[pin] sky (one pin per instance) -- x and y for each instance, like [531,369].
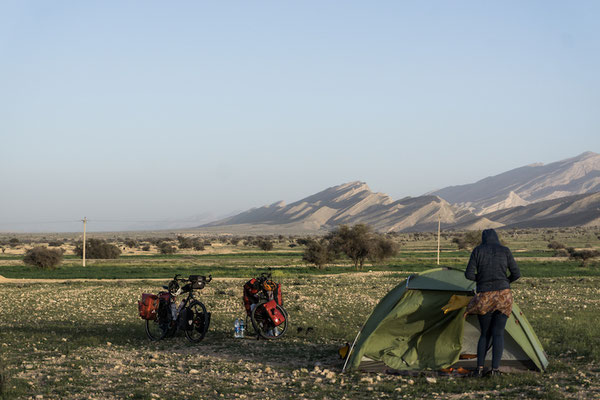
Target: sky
[140,111]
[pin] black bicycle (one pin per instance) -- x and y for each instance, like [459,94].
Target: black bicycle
[269,318]
[190,316]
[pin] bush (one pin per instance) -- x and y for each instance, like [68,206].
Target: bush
[97,249]
[55,243]
[264,244]
[43,257]
[185,242]
[166,248]
[554,245]
[582,255]
[146,248]
[130,243]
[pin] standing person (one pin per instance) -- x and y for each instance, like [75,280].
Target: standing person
[489,266]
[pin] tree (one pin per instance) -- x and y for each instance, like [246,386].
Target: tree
[43,257]
[264,244]
[166,248]
[582,255]
[359,242]
[318,253]
[97,249]
[382,248]
[130,243]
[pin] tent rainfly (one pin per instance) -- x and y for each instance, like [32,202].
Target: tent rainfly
[408,330]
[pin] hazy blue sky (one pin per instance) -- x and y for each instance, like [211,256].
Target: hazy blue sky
[127,111]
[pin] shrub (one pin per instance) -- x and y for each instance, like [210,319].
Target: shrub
[55,243]
[97,249]
[166,248]
[146,248]
[554,245]
[264,244]
[185,242]
[130,243]
[43,257]
[582,255]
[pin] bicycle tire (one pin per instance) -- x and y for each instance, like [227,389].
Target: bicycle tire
[262,324]
[200,322]
[154,331]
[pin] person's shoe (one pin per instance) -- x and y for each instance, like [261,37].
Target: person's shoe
[494,372]
[477,373]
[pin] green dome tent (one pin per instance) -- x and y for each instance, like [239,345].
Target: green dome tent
[408,330]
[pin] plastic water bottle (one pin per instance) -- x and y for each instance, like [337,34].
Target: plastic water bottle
[241,328]
[236,328]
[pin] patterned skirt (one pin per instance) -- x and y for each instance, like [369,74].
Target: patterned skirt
[495,300]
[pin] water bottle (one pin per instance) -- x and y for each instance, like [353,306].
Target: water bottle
[241,328]
[236,328]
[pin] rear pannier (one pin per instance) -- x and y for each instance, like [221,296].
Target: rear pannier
[148,306]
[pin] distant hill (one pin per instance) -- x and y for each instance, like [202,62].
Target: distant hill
[563,193]
[349,203]
[526,185]
[579,210]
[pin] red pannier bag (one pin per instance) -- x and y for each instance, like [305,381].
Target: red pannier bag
[148,306]
[250,296]
[276,316]
[277,295]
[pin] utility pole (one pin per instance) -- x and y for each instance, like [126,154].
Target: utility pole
[439,230]
[84,222]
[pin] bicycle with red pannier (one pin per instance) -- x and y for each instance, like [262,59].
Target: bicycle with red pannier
[164,317]
[264,307]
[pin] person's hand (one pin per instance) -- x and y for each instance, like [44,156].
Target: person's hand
[465,315]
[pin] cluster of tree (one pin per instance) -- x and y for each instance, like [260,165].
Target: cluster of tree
[97,248]
[358,242]
[192,243]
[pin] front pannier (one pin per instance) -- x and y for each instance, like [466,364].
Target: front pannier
[186,319]
[274,314]
[148,306]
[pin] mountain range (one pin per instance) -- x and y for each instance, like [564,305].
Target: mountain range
[563,193]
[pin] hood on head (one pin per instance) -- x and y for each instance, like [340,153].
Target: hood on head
[489,236]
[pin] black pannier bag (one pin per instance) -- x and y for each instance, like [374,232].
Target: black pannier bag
[186,320]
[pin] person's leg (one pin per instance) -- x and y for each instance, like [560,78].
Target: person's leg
[484,338]
[497,329]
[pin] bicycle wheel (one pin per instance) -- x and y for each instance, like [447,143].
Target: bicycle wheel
[155,330]
[263,325]
[201,321]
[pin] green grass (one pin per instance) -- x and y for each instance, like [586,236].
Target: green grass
[243,264]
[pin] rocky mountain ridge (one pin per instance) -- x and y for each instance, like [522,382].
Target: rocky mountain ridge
[558,194]
[526,185]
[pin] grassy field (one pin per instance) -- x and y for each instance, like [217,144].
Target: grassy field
[84,339]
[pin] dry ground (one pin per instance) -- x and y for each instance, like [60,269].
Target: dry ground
[81,340]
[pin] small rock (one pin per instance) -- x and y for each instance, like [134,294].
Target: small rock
[411,382]
[431,379]
[194,371]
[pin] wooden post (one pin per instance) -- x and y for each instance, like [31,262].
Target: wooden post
[439,230]
[84,222]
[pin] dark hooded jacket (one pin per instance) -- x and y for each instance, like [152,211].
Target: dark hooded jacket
[490,263]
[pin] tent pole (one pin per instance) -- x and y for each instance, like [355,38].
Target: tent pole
[351,348]
[439,230]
